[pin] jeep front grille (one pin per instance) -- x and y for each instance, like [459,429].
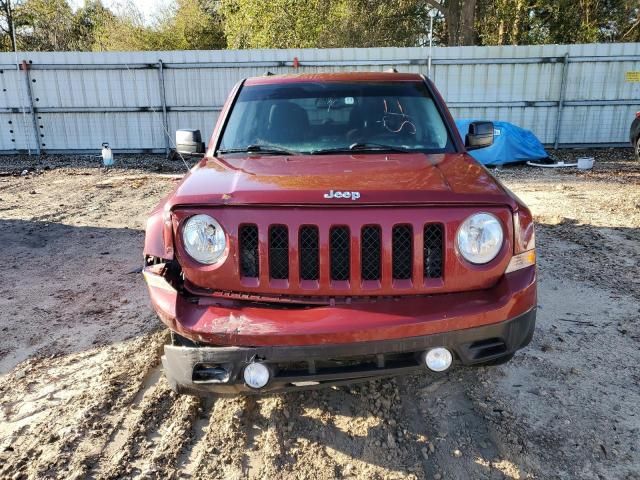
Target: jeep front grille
[309,248]
[249,261]
[370,252]
[403,251]
[433,250]
[279,252]
[340,253]
[402,241]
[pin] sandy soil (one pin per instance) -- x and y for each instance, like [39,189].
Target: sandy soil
[82,394]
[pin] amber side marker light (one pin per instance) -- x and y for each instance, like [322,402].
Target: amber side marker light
[521,260]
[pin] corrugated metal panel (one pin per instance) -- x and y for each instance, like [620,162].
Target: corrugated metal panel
[511,83]
[83,131]
[16,128]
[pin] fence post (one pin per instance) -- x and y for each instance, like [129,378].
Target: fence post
[27,78]
[563,89]
[163,99]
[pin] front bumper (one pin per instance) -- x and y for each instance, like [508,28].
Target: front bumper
[224,322]
[312,366]
[323,340]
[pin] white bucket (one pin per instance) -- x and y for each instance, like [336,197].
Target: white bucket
[107,155]
[585,163]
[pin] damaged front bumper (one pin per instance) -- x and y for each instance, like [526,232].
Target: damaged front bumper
[193,369]
[311,346]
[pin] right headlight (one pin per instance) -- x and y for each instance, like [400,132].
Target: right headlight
[204,239]
[480,238]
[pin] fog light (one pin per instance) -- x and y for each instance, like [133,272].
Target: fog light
[256,375]
[438,359]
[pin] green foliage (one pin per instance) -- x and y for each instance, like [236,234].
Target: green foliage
[522,22]
[51,25]
[191,25]
[322,23]
[88,22]
[185,25]
[43,25]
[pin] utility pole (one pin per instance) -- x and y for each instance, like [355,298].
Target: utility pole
[432,13]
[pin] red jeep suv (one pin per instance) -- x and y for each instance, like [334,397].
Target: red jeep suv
[337,230]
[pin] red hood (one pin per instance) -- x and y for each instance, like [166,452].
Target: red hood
[379,179]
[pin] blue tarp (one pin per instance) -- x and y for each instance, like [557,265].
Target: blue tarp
[511,144]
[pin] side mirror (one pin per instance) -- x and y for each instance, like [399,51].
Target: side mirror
[189,142]
[480,135]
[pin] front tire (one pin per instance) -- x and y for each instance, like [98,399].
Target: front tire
[637,148]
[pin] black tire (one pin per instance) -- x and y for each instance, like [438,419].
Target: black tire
[637,148]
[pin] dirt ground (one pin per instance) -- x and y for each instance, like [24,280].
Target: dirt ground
[82,394]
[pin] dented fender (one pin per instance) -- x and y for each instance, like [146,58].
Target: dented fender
[158,239]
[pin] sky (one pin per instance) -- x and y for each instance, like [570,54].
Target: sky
[146,7]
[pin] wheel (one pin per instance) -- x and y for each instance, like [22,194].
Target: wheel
[637,148]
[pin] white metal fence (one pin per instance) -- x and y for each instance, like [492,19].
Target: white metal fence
[569,95]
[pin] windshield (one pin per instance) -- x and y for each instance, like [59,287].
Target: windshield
[315,118]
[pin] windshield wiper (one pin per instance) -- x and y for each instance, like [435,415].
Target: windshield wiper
[362,147]
[265,149]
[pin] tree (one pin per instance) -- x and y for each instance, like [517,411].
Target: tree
[323,23]
[45,25]
[459,18]
[87,22]
[7,21]
[215,24]
[192,25]
[503,22]
[522,22]
[184,25]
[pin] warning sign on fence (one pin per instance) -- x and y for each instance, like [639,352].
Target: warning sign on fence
[632,76]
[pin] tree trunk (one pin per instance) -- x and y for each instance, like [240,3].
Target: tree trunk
[460,18]
[452,18]
[467,23]
[8,15]
[515,31]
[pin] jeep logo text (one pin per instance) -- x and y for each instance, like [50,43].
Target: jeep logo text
[351,195]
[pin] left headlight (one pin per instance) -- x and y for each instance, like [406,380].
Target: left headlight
[204,239]
[480,238]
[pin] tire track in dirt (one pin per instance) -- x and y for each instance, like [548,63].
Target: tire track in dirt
[460,441]
[136,425]
[555,411]
[214,439]
[194,445]
[332,433]
[50,446]
[173,436]
[142,368]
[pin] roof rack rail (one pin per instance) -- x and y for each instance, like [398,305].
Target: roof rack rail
[391,70]
[267,74]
